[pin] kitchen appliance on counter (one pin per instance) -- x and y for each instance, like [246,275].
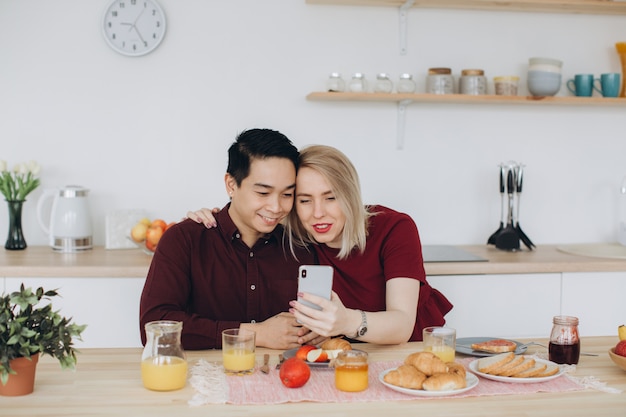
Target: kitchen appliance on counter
[509,234]
[69,228]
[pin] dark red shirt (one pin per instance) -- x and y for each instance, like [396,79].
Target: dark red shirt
[393,250]
[211,280]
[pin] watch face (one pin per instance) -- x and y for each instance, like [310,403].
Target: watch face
[134,27]
[362,331]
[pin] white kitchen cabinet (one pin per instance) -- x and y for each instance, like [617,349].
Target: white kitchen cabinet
[506,305]
[109,307]
[598,299]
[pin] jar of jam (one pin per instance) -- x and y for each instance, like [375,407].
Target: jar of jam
[564,344]
[406,84]
[335,83]
[351,371]
[358,84]
[383,84]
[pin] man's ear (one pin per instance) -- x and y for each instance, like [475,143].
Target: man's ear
[230,184]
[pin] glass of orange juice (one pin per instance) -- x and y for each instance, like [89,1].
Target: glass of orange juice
[351,371]
[163,363]
[441,341]
[238,351]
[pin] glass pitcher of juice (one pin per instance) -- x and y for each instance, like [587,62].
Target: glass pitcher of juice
[163,363]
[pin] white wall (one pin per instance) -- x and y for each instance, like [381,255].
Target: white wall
[152,132]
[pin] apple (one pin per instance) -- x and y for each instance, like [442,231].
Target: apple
[620,348]
[138,232]
[153,234]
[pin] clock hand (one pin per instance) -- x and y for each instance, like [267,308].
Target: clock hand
[140,37]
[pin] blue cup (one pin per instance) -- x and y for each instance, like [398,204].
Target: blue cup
[609,84]
[581,85]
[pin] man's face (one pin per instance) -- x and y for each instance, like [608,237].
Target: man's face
[264,198]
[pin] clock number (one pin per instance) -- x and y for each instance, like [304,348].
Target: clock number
[114,13]
[122,5]
[133,2]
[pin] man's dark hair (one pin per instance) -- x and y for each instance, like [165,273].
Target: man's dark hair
[261,144]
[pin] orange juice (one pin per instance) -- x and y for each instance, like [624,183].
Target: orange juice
[352,377]
[164,373]
[445,353]
[238,360]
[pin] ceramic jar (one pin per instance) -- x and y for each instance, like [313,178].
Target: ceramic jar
[439,81]
[473,82]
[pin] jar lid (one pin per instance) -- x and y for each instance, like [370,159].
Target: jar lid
[382,76]
[565,320]
[335,75]
[406,77]
[472,72]
[506,78]
[432,71]
[358,75]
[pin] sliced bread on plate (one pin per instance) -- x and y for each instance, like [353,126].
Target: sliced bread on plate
[531,372]
[524,366]
[488,364]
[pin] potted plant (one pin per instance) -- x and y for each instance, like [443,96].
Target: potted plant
[28,330]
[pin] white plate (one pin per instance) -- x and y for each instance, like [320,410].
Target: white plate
[292,352]
[471,379]
[463,346]
[474,368]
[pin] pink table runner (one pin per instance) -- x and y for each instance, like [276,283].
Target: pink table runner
[212,386]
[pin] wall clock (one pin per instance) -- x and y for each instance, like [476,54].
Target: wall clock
[134,27]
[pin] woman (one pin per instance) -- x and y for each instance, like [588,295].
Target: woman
[380,293]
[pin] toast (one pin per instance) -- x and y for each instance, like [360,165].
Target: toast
[489,364]
[495,346]
[531,372]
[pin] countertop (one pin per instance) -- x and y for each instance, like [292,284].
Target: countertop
[107,382]
[42,261]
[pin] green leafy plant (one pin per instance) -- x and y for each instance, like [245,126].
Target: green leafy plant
[17,184]
[26,329]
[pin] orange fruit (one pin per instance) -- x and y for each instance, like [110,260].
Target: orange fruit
[151,247]
[153,234]
[159,223]
[302,352]
[294,373]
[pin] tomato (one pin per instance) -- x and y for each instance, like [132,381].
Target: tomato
[294,373]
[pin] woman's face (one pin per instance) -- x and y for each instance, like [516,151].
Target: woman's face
[318,209]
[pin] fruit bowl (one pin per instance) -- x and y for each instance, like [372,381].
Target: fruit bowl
[619,360]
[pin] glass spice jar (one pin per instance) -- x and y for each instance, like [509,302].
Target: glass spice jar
[440,81]
[335,84]
[383,84]
[473,82]
[564,344]
[406,84]
[358,84]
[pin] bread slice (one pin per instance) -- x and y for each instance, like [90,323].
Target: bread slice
[495,346]
[551,369]
[525,365]
[488,364]
[518,359]
[537,369]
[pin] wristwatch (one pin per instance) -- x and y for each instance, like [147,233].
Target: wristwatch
[360,332]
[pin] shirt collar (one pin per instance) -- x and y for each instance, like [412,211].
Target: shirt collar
[229,229]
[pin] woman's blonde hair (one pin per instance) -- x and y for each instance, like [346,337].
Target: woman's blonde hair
[343,179]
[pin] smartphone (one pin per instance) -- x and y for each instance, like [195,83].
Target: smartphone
[317,280]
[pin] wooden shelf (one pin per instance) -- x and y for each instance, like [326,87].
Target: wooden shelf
[551,6]
[466,99]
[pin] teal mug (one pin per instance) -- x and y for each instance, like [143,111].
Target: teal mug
[581,85]
[609,84]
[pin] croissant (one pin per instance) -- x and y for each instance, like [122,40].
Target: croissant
[336,344]
[405,376]
[456,368]
[444,382]
[426,362]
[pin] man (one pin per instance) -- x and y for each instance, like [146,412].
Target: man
[238,274]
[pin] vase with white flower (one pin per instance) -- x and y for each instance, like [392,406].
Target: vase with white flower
[15,185]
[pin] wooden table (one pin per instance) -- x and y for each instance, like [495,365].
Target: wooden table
[107,382]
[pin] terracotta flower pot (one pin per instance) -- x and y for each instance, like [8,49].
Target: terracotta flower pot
[23,382]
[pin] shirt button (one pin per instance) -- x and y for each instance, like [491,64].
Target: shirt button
[237,235]
[253,287]
[252,254]
[252,321]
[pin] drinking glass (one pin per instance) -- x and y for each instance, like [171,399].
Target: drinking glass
[238,351]
[441,341]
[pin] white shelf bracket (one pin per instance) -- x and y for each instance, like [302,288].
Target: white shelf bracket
[401,122]
[404,11]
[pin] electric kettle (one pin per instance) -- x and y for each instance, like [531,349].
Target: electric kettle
[69,228]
